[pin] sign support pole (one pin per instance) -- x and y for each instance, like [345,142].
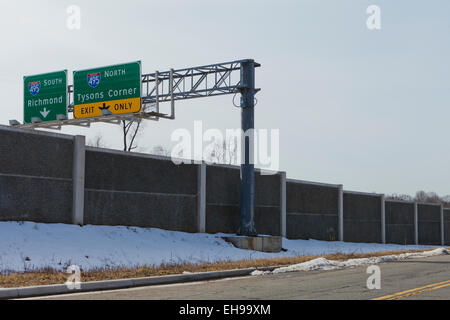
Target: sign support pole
[79,154]
[247,192]
[341,212]
[442,225]
[283,204]
[383,218]
[416,224]
[201,197]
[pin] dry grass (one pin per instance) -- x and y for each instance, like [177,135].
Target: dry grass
[50,276]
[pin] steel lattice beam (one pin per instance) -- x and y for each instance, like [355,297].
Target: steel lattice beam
[188,83]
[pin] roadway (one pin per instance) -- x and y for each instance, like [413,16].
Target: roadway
[425,278]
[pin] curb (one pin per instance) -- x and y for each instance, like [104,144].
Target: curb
[48,290]
[27,292]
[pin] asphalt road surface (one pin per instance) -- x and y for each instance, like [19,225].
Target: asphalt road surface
[426,278]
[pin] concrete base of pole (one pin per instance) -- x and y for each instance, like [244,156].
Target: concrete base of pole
[257,243]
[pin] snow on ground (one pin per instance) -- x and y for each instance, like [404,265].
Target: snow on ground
[325,264]
[28,246]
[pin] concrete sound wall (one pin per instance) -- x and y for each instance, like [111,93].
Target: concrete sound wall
[400,222]
[362,217]
[267,204]
[429,217]
[311,211]
[139,190]
[447,226]
[35,176]
[37,183]
[223,198]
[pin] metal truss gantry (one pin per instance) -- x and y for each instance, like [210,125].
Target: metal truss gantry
[189,83]
[167,86]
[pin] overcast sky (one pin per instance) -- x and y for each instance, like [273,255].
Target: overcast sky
[365,108]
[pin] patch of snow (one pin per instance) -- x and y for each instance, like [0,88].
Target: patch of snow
[27,246]
[325,264]
[259,273]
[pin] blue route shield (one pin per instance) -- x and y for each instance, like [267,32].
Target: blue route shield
[34,87]
[94,79]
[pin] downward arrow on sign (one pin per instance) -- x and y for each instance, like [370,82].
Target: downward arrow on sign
[45,112]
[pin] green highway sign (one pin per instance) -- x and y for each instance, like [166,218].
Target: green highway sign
[45,96]
[115,88]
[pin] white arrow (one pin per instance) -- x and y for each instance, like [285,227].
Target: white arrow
[45,112]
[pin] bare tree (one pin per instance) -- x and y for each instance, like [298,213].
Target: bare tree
[422,196]
[403,197]
[446,201]
[130,131]
[427,197]
[161,151]
[224,153]
[97,141]
[216,154]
